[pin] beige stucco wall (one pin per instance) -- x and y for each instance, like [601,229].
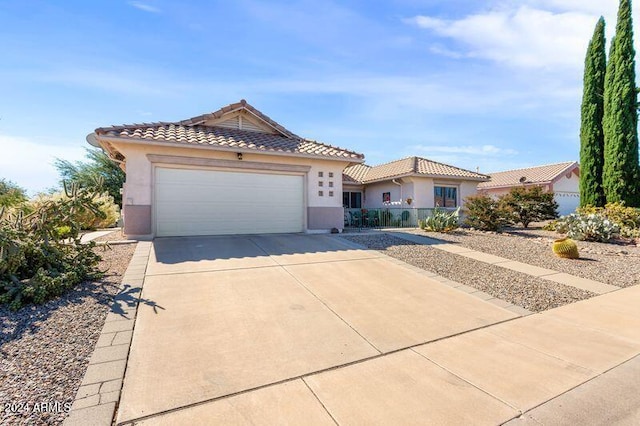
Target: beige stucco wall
[138,190]
[373,195]
[419,189]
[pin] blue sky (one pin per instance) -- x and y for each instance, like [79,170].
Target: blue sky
[493,84]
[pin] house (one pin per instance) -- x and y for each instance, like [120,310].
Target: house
[233,171]
[412,182]
[561,178]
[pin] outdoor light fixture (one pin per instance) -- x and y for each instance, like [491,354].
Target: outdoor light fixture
[239,156]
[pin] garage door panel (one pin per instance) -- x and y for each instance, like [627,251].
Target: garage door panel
[202,202]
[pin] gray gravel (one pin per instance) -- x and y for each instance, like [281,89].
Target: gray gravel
[45,350]
[116,235]
[613,264]
[534,294]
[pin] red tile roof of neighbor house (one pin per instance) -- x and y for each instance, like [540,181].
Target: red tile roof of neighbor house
[531,175]
[410,166]
[193,131]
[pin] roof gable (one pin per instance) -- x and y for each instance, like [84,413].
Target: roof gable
[238,127]
[241,116]
[537,175]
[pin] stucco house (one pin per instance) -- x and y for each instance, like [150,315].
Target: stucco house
[412,182]
[233,171]
[561,178]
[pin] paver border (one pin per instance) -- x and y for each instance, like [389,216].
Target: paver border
[97,398]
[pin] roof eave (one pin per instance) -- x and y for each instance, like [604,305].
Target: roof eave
[545,182]
[136,141]
[477,179]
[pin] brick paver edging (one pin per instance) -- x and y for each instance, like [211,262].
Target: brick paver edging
[99,393]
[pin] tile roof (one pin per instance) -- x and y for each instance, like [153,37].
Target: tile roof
[534,175]
[410,166]
[192,132]
[355,174]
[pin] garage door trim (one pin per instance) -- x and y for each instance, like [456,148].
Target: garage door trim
[174,161]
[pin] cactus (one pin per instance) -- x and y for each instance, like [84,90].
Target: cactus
[566,248]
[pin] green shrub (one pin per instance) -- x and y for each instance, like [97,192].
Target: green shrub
[627,219]
[441,221]
[105,216]
[528,205]
[11,195]
[587,227]
[40,253]
[484,213]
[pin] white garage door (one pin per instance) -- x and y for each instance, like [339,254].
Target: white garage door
[205,202]
[568,202]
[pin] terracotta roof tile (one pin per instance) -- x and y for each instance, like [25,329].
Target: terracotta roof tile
[530,175]
[355,174]
[416,166]
[192,132]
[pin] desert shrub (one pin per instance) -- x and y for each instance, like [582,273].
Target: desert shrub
[40,253]
[11,195]
[106,215]
[528,205]
[484,213]
[627,219]
[587,227]
[441,221]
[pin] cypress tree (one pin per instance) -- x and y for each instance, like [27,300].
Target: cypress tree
[592,111]
[620,123]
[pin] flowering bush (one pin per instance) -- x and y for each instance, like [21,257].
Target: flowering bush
[587,227]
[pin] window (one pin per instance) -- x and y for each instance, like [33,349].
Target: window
[330,174]
[320,193]
[320,174]
[330,184]
[320,183]
[445,196]
[330,193]
[352,200]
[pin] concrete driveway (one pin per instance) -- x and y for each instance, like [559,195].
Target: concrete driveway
[251,330]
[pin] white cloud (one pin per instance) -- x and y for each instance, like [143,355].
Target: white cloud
[145,7]
[522,37]
[30,164]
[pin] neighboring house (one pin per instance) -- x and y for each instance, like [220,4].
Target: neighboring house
[234,171]
[562,178]
[412,182]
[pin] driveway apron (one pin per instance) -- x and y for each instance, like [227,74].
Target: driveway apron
[232,322]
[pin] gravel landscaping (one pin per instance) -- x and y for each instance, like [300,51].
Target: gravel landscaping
[45,350]
[116,235]
[613,264]
[534,294]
